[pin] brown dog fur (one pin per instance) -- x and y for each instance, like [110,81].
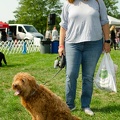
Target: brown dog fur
[41,103]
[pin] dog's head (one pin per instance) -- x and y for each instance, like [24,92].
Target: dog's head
[24,84]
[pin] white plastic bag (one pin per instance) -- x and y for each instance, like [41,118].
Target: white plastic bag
[105,78]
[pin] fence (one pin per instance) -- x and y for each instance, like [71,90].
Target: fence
[21,46]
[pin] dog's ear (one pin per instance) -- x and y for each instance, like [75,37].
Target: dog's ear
[32,82]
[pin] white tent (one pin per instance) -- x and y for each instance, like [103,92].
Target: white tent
[113,21]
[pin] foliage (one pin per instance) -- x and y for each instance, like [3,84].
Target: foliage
[36,12]
[105,105]
[12,21]
[112,9]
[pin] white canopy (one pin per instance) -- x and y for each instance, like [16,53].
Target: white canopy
[113,21]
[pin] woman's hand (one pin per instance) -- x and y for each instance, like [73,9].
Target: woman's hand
[106,47]
[61,50]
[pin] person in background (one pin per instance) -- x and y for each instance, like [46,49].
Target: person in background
[113,36]
[9,35]
[84,34]
[118,38]
[54,34]
[3,35]
[48,35]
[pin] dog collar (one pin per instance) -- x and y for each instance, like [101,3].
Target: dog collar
[32,93]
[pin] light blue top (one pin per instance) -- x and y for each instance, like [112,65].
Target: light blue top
[83,20]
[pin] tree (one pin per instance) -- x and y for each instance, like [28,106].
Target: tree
[36,12]
[11,21]
[112,9]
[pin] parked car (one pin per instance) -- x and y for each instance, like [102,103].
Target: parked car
[24,32]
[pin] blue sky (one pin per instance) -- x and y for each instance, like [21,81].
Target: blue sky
[8,6]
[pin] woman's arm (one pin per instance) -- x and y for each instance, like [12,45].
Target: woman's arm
[106,33]
[61,49]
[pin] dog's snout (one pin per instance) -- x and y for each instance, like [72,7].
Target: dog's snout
[15,85]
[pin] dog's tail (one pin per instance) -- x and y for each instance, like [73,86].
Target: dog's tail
[76,118]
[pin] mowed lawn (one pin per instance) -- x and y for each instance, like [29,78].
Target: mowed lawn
[106,105]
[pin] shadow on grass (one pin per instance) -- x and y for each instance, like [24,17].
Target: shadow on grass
[12,65]
[108,109]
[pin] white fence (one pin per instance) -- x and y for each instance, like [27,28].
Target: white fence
[21,46]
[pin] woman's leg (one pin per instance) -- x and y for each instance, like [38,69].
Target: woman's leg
[73,60]
[90,56]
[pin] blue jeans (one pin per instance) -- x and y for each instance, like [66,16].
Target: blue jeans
[87,55]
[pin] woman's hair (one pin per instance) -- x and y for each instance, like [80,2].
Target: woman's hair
[71,1]
[112,27]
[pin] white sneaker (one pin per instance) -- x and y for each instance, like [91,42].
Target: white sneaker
[88,111]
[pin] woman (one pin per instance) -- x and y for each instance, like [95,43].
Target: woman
[84,24]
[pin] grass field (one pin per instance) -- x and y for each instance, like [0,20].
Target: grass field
[105,105]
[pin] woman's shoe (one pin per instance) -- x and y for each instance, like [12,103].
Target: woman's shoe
[88,111]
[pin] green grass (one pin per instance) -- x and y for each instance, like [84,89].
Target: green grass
[105,105]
